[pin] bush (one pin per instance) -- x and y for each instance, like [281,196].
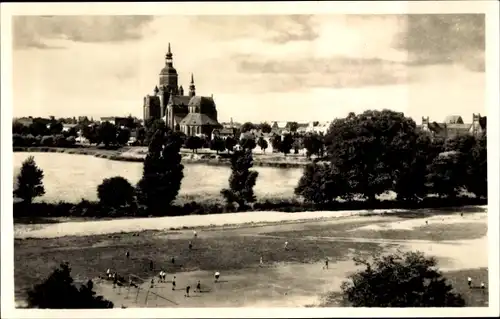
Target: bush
[115,192]
[70,141]
[29,181]
[407,280]
[60,140]
[59,292]
[48,140]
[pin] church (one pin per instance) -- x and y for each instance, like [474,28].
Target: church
[190,114]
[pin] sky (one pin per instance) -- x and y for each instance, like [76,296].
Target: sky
[258,67]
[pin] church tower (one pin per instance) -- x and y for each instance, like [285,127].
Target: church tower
[192,89]
[168,75]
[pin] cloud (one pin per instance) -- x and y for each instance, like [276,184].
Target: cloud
[32,31]
[334,72]
[444,39]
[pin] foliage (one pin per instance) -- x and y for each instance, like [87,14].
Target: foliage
[265,127]
[48,140]
[477,171]
[193,143]
[123,136]
[321,183]
[293,126]
[248,143]
[152,126]
[59,292]
[230,143]
[400,280]
[217,144]
[371,149]
[90,133]
[19,128]
[242,180]
[262,143]
[286,144]
[246,127]
[55,128]
[313,143]
[38,127]
[29,181]
[446,174]
[115,192]
[106,134]
[162,172]
[276,143]
[141,135]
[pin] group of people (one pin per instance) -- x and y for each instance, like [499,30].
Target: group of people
[469,282]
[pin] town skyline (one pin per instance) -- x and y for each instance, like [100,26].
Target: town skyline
[258,68]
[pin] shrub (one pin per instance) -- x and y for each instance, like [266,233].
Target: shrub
[60,140]
[18,140]
[407,280]
[321,183]
[29,181]
[115,192]
[70,141]
[59,292]
[48,140]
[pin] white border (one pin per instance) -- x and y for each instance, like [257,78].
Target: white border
[490,8]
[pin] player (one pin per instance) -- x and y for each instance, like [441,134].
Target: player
[127,254]
[286,245]
[108,273]
[173,283]
[217,275]
[161,276]
[190,245]
[151,265]
[469,282]
[482,285]
[198,286]
[326,264]
[152,282]
[195,234]
[261,261]
[173,260]
[187,291]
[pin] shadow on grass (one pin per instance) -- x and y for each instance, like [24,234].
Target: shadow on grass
[35,220]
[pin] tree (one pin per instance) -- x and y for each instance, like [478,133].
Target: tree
[152,126]
[29,181]
[38,127]
[446,174]
[162,172]
[217,144]
[246,127]
[106,134]
[90,133]
[230,143]
[400,280]
[293,126]
[248,143]
[286,144]
[242,179]
[55,128]
[194,143]
[123,136]
[372,149]
[19,128]
[262,144]
[276,143]
[321,183]
[141,135]
[115,192]
[265,127]
[313,144]
[59,292]
[477,172]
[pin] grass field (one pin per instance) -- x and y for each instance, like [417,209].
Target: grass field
[292,277]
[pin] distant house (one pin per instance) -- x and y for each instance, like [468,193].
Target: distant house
[26,121]
[454,126]
[224,132]
[318,127]
[67,127]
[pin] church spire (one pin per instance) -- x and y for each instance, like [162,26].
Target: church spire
[192,89]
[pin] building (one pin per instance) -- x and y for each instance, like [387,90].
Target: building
[190,113]
[454,125]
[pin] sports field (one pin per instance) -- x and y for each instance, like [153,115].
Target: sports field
[288,277]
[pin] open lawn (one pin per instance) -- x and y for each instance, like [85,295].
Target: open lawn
[292,277]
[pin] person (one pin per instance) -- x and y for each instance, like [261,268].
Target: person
[261,261]
[427,222]
[187,291]
[195,234]
[469,282]
[217,275]
[173,261]
[115,280]
[108,272]
[326,264]
[151,265]
[198,286]
[190,245]
[286,245]
[127,254]
[461,214]
[482,285]
[160,276]
[152,282]
[173,283]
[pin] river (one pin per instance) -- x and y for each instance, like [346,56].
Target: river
[70,177]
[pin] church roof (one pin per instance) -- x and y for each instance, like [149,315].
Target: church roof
[198,119]
[179,99]
[203,103]
[168,70]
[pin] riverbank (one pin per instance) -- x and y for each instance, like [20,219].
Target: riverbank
[137,154]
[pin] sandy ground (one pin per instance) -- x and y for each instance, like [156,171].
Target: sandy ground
[273,285]
[87,228]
